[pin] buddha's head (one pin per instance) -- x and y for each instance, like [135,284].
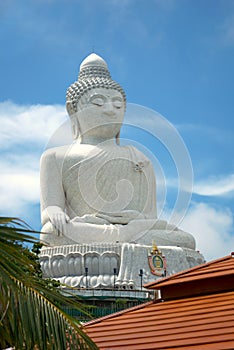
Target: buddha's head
[95,103]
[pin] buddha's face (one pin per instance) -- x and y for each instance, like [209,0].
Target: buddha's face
[100,113]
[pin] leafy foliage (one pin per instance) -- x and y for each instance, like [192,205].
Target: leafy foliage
[31,316]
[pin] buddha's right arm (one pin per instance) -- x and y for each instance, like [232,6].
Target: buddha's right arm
[52,192]
[56,216]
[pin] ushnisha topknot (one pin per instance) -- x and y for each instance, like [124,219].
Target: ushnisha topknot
[93,73]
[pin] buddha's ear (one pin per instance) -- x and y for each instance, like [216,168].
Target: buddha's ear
[75,127]
[69,108]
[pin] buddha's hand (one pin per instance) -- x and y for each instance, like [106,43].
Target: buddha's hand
[58,218]
[122,217]
[90,219]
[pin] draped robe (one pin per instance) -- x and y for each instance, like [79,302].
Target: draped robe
[109,180]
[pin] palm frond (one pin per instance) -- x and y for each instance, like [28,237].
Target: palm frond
[31,314]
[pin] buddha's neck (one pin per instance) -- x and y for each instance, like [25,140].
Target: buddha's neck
[90,140]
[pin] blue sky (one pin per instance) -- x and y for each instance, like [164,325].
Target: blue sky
[172,56]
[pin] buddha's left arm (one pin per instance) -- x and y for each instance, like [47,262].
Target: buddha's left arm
[150,208]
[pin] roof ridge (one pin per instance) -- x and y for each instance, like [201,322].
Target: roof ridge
[188,271]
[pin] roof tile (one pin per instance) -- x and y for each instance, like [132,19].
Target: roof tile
[204,321]
[197,317]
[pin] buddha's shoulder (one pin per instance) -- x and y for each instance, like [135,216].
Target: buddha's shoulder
[55,153]
[78,151]
[135,152]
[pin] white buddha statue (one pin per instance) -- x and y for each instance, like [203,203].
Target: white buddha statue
[96,190]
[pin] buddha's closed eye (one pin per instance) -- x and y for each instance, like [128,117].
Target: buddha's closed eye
[97,100]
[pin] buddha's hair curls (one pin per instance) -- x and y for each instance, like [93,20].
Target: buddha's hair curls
[90,77]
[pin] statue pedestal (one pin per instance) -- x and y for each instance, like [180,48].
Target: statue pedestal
[111,265]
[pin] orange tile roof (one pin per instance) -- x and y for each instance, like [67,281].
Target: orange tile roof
[223,267]
[214,276]
[204,321]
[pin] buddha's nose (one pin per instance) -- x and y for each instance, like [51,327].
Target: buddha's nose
[109,109]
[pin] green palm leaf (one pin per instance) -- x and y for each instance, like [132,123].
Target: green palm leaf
[31,314]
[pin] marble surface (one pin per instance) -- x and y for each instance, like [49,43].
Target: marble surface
[98,198]
[67,264]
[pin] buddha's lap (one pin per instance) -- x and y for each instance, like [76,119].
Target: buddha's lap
[137,231]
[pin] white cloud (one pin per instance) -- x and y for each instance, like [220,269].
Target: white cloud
[212,228]
[19,184]
[216,134]
[18,190]
[28,124]
[214,186]
[29,129]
